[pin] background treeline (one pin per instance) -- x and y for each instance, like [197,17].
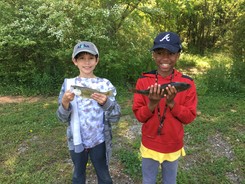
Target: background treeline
[37,38]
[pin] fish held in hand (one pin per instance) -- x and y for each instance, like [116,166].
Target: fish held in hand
[86,92]
[179,86]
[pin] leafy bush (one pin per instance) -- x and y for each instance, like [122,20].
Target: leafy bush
[201,86]
[219,79]
[237,70]
[187,61]
[45,84]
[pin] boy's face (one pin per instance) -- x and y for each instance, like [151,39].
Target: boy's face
[86,62]
[165,60]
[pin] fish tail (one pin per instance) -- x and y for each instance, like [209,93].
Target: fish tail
[143,92]
[132,90]
[109,93]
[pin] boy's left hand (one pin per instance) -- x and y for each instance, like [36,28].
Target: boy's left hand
[170,96]
[100,98]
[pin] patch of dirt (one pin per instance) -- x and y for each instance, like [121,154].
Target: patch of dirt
[116,171]
[17,99]
[221,147]
[23,147]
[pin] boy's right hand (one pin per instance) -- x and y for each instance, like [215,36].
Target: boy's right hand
[67,98]
[154,96]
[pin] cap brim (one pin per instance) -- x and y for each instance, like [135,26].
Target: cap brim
[165,46]
[85,50]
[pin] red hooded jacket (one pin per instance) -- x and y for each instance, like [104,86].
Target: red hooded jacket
[183,112]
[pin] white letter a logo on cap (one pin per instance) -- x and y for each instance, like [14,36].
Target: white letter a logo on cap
[166,37]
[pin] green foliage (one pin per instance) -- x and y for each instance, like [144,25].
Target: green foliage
[205,23]
[37,37]
[215,72]
[219,79]
[45,84]
[186,61]
[201,86]
[238,41]
[237,70]
[238,45]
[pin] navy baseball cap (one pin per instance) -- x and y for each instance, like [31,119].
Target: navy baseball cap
[167,40]
[85,46]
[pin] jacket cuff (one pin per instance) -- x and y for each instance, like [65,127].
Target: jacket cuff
[62,110]
[107,104]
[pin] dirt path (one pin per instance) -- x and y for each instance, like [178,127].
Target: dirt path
[17,99]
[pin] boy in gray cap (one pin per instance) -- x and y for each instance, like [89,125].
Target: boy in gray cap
[163,118]
[89,129]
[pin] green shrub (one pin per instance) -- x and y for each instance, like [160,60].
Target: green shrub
[237,70]
[219,79]
[201,86]
[45,84]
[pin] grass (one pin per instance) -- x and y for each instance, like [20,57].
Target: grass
[33,143]
[215,144]
[214,138]
[33,146]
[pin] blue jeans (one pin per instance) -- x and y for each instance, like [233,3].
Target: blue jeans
[98,159]
[150,170]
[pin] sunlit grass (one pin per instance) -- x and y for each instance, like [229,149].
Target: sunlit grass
[199,63]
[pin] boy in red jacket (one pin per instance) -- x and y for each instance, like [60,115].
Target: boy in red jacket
[163,118]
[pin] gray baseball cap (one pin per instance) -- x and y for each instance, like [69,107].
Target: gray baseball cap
[85,46]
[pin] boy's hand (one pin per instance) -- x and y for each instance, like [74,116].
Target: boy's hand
[170,96]
[68,96]
[100,98]
[154,96]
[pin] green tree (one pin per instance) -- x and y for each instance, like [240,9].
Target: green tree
[238,47]
[37,37]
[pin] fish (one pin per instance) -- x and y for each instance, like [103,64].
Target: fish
[86,92]
[179,86]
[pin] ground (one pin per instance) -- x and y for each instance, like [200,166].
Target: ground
[116,169]
[218,146]
[17,99]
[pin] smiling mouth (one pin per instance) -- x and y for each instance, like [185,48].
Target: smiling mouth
[165,65]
